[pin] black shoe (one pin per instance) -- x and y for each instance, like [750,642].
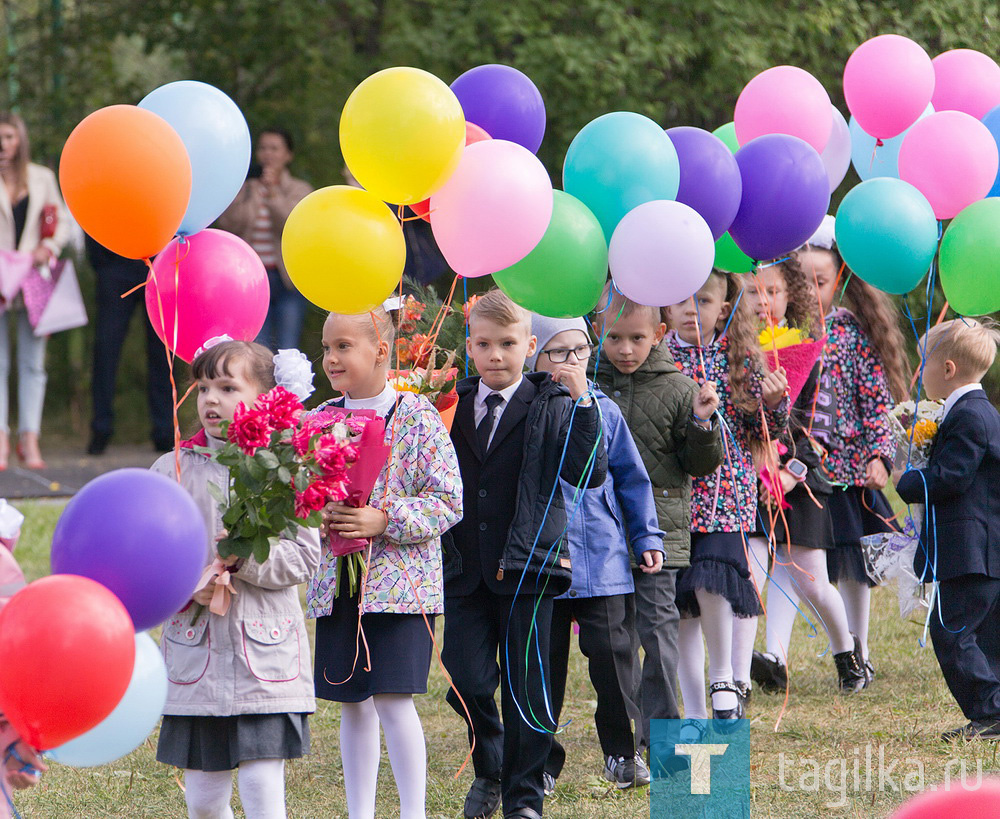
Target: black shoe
[977,729]
[548,783]
[851,676]
[869,675]
[727,714]
[483,798]
[746,692]
[870,671]
[768,672]
[98,443]
[625,772]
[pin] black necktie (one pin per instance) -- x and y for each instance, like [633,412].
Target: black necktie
[485,428]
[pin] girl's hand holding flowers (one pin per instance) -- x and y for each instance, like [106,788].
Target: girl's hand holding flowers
[353,522]
[774,387]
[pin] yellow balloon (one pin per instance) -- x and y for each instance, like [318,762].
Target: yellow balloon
[344,249]
[402,132]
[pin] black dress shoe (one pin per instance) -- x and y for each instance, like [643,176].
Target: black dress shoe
[768,672]
[724,715]
[523,813]
[977,729]
[483,798]
[98,443]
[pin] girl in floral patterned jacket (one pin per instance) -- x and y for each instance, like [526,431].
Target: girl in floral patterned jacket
[375,671]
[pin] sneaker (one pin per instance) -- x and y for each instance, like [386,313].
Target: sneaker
[626,773]
[768,672]
[548,783]
[977,729]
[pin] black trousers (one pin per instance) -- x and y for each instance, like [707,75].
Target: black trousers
[110,328]
[607,626]
[476,628]
[968,644]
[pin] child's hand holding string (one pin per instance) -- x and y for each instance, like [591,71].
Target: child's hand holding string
[652,561]
[706,402]
[774,387]
[353,522]
[876,476]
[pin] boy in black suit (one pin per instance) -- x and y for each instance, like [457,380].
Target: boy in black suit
[506,560]
[960,548]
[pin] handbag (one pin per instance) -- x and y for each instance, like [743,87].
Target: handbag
[53,299]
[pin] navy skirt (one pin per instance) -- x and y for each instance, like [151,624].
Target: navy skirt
[851,522]
[222,743]
[718,565]
[399,645]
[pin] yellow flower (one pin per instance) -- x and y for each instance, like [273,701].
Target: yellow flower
[778,337]
[924,431]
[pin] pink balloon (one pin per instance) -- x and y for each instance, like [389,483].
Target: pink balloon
[661,253]
[836,155]
[979,799]
[784,100]
[213,284]
[888,81]
[951,158]
[493,210]
[966,80]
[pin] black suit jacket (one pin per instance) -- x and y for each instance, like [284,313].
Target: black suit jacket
[963,489]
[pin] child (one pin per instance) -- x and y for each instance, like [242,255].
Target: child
[416,498]
[718,587]
[239,690]
[963,555]
[504,561]
[606,521]
[782,296]
[864,370]
[672,423]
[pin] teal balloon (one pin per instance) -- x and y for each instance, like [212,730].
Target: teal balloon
[727,133]
[887,233]
[618,162]
[133,719]
[564,275]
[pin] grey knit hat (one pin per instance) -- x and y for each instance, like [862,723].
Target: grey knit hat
[544,328]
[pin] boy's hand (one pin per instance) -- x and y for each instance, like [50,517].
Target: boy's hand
[19,778]
[876,476]
[774,386]
[355,523]
[572,375]
[652,561]
[706,402]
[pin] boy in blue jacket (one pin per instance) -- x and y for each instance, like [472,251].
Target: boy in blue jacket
[960,544]
[601,599]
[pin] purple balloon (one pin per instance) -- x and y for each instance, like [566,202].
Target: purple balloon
[710,178]
[140,535]
[786,193]
[503,102]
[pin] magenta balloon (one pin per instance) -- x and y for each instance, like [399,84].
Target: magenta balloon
[709,177]
[888,82]
[967,81]
[213,284]
[784,100]
[951,158]
[836,155]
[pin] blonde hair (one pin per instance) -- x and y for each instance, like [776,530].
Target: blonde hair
[613,306]
[23,155]
[498,307]
[971,344]
[377,323]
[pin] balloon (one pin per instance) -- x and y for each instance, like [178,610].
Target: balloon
[192,277]
[958,801]
[401,133]
[992,123]
[729,257]
[344,249]
[709,179]
[951,158]
[967,81]
[618,161]
[970,259]
[473,134]
[661,253]
[836,155]
[503,102]
[494,210]
[888,81]
[784,100]
[140,535]
[564,275]
[887,234]
[126,178]
[68,648]
[217,140]
[872,160]
[133,719]
[727,133]
[785,196]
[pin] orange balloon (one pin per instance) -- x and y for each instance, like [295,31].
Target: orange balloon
[126,177]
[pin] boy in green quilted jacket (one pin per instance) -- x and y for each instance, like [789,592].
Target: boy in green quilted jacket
[673,424]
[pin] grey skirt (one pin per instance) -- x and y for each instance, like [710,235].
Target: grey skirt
[222,743]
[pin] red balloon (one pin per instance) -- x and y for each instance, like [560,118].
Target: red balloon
[473,134]
[68,649]
[956,802]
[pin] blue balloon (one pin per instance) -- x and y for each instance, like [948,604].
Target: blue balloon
[710,179]
[133,719]
[872,161]
[887,233]
[618,162]
[992,121]
[217,139]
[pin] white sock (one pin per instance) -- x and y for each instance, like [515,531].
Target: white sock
[691,668]
[782,602]
[360,749]
[404,739]
[819,593]
[857,599]
[745,628]
[262,788]
[207,794]
[717,624]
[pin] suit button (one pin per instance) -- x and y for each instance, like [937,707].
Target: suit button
[482,527]
[482,493]
[618,393]
[572,593]
[666,493]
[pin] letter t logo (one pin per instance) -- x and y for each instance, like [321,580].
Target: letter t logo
[701,764]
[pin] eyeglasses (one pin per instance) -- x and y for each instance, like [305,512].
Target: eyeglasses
[561,355]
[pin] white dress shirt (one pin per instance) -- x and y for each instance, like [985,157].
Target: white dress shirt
[479,408]
[952,399]
[381,403]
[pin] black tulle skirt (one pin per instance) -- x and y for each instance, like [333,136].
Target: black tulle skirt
[852,521]
[718,565]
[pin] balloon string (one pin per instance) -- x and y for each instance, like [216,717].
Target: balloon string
[170,366]
[130,291]
[940,318]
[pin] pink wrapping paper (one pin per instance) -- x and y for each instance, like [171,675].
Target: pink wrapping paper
[798,361]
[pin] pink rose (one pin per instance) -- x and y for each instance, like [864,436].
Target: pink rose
[332,456]
[309,501]
[282,406]
[249,429]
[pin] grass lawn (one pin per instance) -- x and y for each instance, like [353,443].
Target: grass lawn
[900,717]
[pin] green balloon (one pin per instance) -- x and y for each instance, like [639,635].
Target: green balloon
[564,275]
[729,257]
[969,260]
[727,133]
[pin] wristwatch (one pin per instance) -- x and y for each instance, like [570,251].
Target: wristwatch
[796,469]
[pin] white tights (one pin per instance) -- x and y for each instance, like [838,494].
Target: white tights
[716,623]
[857,599]
[360,749]
[262,791]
